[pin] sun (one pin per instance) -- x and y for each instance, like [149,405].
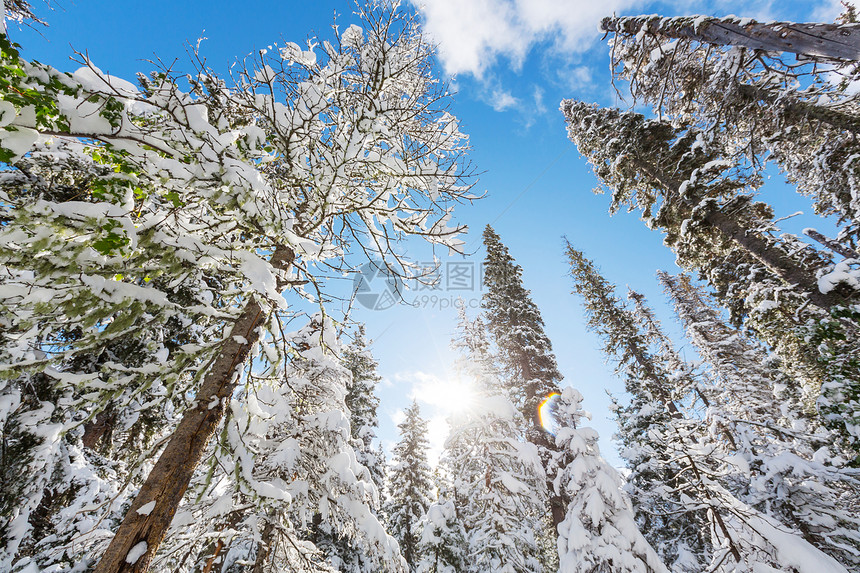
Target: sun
[458,395]
[449,395]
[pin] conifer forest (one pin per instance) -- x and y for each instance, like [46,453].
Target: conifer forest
[180,392]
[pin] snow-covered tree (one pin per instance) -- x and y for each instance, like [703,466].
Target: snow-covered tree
[348,554]
[497,478]
[683,184]
[500,478]
[675,529]
[443,537]
[775,93]
[689,462]
[131,214]
[525,355]
[513,319]
[686,186]
[362,402]
[410,485]
[284,462]
[733,78]
[787,466]
[599,532]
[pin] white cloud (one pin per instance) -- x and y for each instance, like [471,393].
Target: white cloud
[576,77]
[398,416]
[540,107]
[828,11]
[473,35]
[502,100]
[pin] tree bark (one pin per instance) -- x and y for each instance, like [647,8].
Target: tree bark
[823,41]
[831,244]
[168,480]
[793,108]
[97,429]
[557,504]
[752,243]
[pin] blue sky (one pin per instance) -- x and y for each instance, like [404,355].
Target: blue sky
[510,62]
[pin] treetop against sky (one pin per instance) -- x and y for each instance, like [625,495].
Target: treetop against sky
[510,63]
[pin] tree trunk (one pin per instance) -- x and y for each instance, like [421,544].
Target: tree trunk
[752,243]
[100,427]
[557,504]
[264,548]
[831,244]
[168,480]
[779,263]
[824,41]
[794,109]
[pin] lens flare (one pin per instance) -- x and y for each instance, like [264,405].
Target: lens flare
[545,412]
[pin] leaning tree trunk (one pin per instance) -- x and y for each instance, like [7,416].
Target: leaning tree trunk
[822,41]
[752,243]
[168,480]
[794,109]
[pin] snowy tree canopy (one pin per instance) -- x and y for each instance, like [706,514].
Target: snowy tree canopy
[149,233]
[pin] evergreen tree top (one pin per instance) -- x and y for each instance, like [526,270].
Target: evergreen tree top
[517,327]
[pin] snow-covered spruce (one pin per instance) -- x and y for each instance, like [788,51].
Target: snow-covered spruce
[350,554]
[524,354]
[800,113]
[599,532]
[410,486]
[786,466]
[692,464]
[496,477]
[283,470]
[443,537]
[657,483]
[686,185]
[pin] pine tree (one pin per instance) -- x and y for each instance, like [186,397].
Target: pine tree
[728,77]
[362,402]
[650,164]
[766,281]
[691,459]
[350,554]
[283,465]
[497,479]
[788,468]
[731,80]
[674,528]
[599,533]
[410,485]
[524,350]
[443,537]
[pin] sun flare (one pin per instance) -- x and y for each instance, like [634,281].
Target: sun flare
[547,421]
